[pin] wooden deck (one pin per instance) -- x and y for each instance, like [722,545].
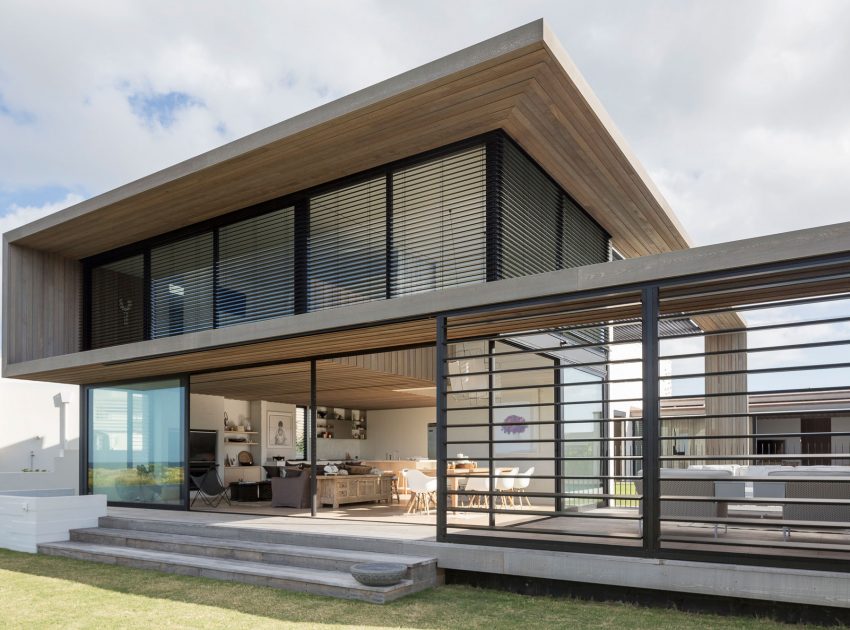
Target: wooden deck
[597,526]
[362,528]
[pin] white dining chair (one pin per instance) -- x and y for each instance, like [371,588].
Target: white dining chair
[504,483]
[477,484]
[521,483]
[422,489]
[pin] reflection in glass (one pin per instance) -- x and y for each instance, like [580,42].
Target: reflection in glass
[136,435]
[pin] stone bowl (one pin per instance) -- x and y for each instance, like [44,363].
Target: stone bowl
[379,573]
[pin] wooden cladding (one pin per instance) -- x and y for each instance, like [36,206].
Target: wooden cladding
[42,305]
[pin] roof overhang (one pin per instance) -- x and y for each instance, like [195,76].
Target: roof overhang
[521,81]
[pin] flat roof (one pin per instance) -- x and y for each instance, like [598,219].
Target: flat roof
[521,81]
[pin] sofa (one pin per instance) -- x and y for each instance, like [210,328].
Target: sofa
[690,483]
[293,490]
[816,482]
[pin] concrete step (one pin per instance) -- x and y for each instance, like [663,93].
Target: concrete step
[292,578]
[245,532]
[419,569]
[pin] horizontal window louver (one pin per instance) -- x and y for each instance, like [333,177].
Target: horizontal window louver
[530,205]
[346,252]
[585,242]
[256,261]
[118,302]
[439,223]
[182,286]
[540,228]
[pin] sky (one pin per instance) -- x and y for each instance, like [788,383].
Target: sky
[738,110]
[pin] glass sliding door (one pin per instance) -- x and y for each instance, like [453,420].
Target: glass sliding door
[136,436]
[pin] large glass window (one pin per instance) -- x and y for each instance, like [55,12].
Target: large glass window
[256,268]
[136,435]
[347,246]
[118,302]
[439,223]
[409,229]
[182,286]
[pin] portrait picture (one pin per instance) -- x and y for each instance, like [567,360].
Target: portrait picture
[280,430]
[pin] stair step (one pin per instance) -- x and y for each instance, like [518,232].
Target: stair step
[306,580]
[251,534]
[419,568]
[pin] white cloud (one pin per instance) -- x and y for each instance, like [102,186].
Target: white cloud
[17,216]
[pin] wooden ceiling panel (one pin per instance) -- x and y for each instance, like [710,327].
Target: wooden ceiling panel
[337,385]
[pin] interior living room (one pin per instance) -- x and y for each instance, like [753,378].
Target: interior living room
[374,415]
[249,441]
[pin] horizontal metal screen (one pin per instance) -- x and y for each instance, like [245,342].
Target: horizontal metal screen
[118,302]
[754,427]
[182,286]
[544,433]
[439,223]
[256,262]
[346,253]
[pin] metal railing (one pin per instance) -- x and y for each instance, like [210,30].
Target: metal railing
[703,418]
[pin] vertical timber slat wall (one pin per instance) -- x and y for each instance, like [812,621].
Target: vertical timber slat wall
[44,305]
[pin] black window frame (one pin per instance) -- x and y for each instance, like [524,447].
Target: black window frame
[300,200]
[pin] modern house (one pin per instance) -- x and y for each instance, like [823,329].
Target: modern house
[462,272]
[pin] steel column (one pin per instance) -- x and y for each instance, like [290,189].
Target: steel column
[314,482]
[651,484]
[442,423]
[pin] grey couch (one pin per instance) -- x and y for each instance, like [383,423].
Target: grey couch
[815,483]
[291,491]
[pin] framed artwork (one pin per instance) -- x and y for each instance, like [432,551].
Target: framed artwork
[511,424]
[280,429]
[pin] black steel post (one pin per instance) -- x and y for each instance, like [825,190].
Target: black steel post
[442,423]
[559,436]
[302,252]
[216,255]
[184,381]
[147,318]
[651,484]
[388,262]
[493,183]
[314,482]
[491,486]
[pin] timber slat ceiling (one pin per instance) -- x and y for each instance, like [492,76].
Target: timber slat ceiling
[520,81]
[337,385]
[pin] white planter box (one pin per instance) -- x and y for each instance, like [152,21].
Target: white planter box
[28,518]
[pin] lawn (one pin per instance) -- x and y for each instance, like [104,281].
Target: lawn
[47,592]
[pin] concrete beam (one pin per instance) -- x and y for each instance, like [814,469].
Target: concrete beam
[735,255]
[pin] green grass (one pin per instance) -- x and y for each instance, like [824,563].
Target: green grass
[41,592]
